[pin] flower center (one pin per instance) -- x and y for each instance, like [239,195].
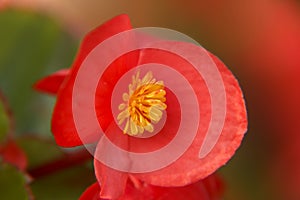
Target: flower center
[143,104]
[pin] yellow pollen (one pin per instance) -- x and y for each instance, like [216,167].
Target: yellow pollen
[143,104]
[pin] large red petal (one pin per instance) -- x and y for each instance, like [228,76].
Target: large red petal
[189,167]
[63,126]
[53,82]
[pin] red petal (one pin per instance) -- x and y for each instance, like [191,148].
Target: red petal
[189,167]
[112,182]
[200,190]
[91,193]
[210,188]
[195,191]
[14,155]
[63,126]
[52,83]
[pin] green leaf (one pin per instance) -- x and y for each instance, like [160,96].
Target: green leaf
[39,151]
[4,122]
[68,184]
[32,46]
[12,183]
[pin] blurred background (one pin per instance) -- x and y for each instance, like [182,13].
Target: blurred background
[259,40]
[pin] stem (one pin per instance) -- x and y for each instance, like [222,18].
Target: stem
[66,161]
[8,112]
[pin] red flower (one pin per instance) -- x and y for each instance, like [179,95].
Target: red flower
[210,188]
[173,107]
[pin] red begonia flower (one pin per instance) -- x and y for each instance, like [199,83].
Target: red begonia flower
[147,103]
[210,188]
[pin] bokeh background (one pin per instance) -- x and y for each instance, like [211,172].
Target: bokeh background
[259,40]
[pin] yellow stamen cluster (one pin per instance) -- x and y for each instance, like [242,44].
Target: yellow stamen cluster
[143,104]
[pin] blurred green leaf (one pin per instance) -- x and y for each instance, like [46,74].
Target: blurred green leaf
[12,183]
[39,151]
[32,46]
[65,185]
[4,123]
